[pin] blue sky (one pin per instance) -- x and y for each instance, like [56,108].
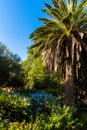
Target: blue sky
[18,18]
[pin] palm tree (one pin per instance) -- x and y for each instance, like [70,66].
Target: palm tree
[61,38]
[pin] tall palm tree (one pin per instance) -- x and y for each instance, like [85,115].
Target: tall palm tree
[61,38]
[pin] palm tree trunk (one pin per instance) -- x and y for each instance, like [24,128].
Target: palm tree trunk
[69,84]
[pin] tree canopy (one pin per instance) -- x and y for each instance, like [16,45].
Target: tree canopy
[10,67]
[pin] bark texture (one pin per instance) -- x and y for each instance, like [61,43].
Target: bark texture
[69,85]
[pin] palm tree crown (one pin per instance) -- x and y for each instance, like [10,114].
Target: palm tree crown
[62,34]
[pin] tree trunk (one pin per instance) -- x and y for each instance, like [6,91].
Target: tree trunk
[69,85]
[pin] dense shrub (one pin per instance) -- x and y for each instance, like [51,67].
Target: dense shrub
[37,111]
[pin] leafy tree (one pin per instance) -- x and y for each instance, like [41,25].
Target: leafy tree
[16,72]
[36,74]
[4,64]
[61,39]
[10,67]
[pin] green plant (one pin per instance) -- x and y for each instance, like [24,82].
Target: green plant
[37,110]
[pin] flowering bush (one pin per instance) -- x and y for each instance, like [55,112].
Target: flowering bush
[42,101]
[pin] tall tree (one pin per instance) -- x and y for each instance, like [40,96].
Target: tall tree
[61,38]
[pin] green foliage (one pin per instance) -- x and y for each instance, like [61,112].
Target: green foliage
[20,126]
[37,110]
[36,73]
[10,67]
[83,119]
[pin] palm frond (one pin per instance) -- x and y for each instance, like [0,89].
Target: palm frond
[47,5]
[55,3]
[82,4]
[45,20]
[46,11]
[35,45]
[56,13]
[64,6]
[72,5]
